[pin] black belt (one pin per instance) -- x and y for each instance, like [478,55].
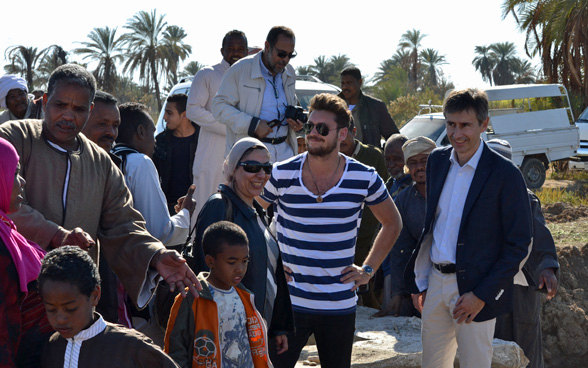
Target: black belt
[274,140]
[445,268]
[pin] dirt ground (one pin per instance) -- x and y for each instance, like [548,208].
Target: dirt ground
[564,319]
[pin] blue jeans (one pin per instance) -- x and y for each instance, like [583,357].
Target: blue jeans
[333,335]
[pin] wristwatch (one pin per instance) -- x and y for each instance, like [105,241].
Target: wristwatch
[368,270]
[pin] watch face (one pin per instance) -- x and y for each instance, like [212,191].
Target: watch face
[368,269]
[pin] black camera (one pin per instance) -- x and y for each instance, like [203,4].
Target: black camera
[296,113]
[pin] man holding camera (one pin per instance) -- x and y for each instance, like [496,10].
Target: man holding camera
[255,93]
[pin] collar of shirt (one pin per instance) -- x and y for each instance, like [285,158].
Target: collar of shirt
[96,328]
[273,105]
[357,148]
[224,65]
[473,161]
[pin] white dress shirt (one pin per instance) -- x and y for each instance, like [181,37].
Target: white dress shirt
[450,207]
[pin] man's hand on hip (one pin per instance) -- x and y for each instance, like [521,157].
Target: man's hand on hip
[467,307]
[173,268]
[355,274]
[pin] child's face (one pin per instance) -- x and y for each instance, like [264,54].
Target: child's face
[68,310]
[229,266]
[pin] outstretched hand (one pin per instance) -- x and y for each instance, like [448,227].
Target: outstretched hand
[175,271]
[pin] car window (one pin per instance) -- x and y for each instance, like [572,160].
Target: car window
[429,127]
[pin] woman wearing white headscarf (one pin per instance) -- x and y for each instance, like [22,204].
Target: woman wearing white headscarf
[246,170]
[16,101]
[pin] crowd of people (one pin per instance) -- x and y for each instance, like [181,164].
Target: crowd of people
[250,242]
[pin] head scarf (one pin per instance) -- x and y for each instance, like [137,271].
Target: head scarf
[8,82]
[25,255]
[416,146]
[501,146]
[235,155]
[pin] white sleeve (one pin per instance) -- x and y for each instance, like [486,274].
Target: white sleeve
[149,200]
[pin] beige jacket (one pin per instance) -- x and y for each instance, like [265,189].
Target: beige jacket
[237,103]
[98,201]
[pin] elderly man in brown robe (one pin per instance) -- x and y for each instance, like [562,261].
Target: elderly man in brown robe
[75,193]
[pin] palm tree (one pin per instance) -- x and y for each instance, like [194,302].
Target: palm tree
[384,70]
[339,62]
[23,62]
[503,54]
[145,48]
[557,31]
[402,59]
[484,63]
[322,68]
[174,50]
[432,60]
[52,57]
[523,71]
[304,70]
[105,48]
[412,40]
[191,69]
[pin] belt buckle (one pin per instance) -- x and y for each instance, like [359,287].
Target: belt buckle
[274,140]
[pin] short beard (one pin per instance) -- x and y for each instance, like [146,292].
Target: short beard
[321,151]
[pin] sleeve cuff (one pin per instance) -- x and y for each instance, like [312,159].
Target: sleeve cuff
[252,127]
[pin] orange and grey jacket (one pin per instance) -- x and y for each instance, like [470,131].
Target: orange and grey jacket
[192,340]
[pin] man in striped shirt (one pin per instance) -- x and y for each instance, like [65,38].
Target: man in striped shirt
[320,196]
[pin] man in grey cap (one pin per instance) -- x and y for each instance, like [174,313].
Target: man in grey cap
[523,324]
[411,203]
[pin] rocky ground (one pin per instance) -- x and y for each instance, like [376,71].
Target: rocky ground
[565,324]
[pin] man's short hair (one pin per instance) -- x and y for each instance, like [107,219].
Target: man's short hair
[105,98]
[70,264]
[72,73]
[352,71]
[180,99]
[333,103]
[222,233]
[132,114]
[396,138]
[275,32]
[235,33]
[467,99]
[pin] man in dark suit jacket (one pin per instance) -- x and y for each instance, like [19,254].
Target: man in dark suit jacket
[477,232]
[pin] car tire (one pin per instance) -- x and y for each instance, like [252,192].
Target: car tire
[534,172]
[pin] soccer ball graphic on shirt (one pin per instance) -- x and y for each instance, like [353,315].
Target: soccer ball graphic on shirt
[204,348]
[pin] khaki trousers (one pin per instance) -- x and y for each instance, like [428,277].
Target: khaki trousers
[442,336]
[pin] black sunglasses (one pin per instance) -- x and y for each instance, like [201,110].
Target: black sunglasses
[321,128]
[283,54]
[254,166]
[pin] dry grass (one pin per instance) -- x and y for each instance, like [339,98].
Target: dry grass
[573,233]
[554,195]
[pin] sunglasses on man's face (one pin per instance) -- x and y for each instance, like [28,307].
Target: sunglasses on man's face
[254,167]
[321,128]
[283,54]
